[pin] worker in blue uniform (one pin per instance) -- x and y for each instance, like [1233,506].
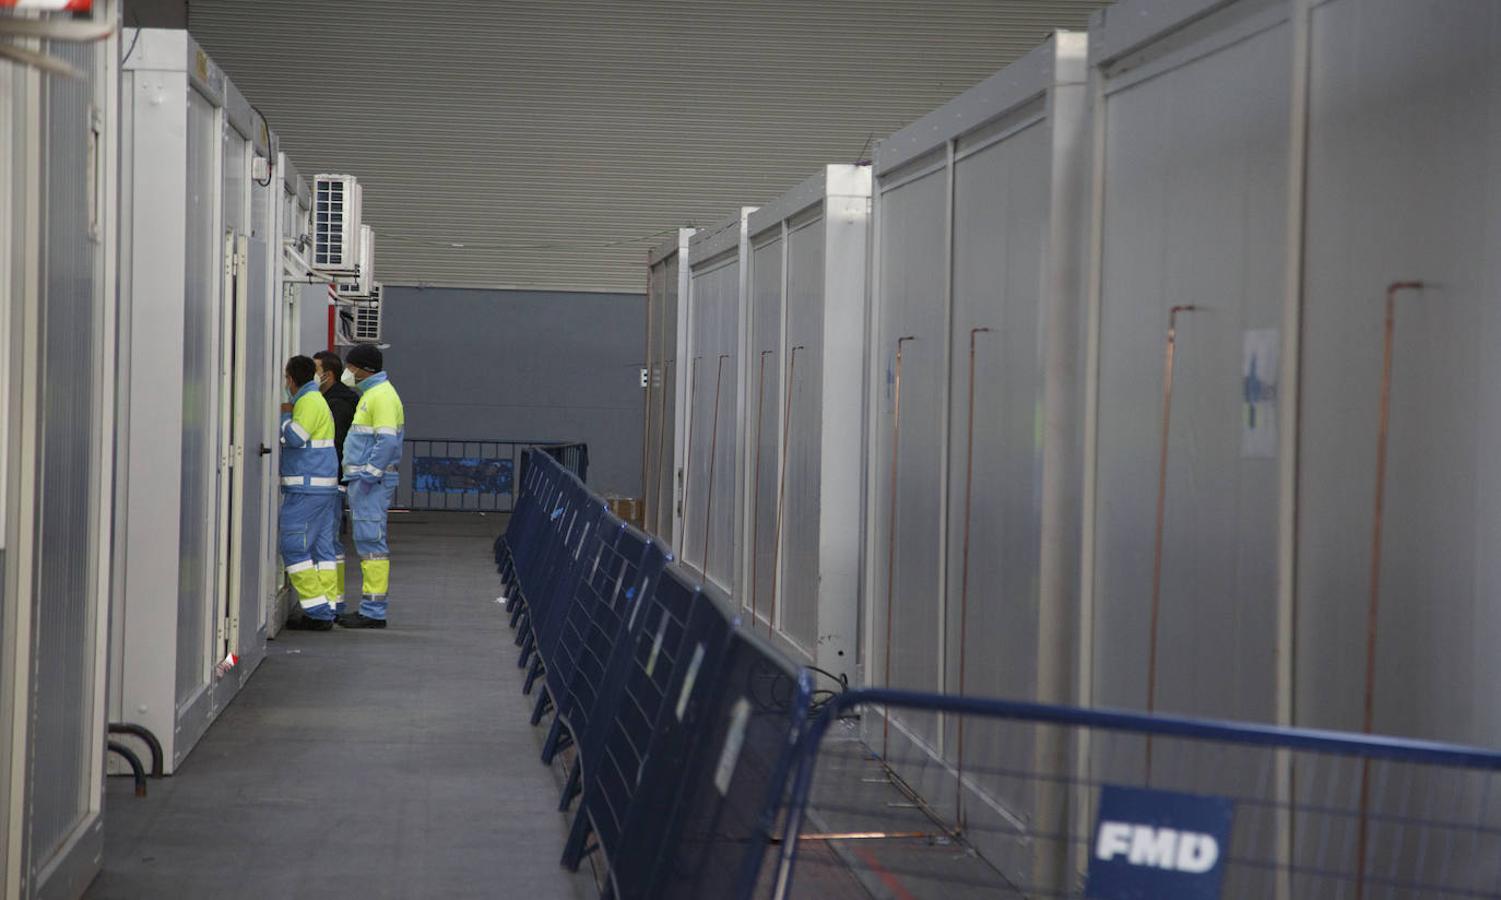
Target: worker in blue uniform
[342,400]
[372,452]
[310,495]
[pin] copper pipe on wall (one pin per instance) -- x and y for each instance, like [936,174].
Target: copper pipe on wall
[1157,540]
[896,438]
[776,547]
[713,445]
[969,476]
[1383,428]
[756,487]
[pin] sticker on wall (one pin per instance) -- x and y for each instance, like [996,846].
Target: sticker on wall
[1259,367]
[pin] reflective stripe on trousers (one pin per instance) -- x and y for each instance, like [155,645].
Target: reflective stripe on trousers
[306,549]
[369,502]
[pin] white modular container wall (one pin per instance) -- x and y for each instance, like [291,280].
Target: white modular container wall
[1192,144]
[1401,186]
[976,361]
[1302,181]
[805,377]
[664,437]
[714,448]
[58,226]
[288,271]
[199,387]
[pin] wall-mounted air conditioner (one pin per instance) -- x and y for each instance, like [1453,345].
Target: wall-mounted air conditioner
[336,224]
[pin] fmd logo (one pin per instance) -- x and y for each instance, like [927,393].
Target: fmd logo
[1150,845]
[1163,848]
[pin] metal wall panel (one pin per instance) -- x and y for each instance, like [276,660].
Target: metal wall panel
[65,617]
[799,497]
[1002,194]
[656,390]
[765,385]
[197,396]
[972,517]
[667,403]
[1195,166]
[1404,133]
[778,89]
[712,495]
[200,366]
[665,481]
[908,423]
[57,374]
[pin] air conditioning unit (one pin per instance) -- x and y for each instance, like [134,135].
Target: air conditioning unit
[336,224]
[362,284]
[359,318]
[367,317]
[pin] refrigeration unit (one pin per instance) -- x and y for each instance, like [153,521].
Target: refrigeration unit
[200,373]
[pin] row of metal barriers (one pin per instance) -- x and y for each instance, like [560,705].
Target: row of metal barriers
[695,744]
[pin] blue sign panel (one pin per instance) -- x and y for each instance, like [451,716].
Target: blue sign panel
[461,475]
[1151,845]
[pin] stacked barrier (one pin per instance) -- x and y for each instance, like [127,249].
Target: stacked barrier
[681,721]
[696,742]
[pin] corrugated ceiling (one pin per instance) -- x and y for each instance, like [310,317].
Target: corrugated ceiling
[536,144]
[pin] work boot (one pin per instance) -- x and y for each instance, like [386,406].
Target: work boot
[308,623]
[360,620]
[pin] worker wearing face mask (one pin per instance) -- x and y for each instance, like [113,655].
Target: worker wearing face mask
[342,400]
[371,455]
[310,494]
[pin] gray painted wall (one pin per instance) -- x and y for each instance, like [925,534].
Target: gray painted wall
[523,365]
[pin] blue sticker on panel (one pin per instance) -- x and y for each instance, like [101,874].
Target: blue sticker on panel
[461,475]
[1149,845]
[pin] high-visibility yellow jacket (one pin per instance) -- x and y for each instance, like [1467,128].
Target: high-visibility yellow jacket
[373,448]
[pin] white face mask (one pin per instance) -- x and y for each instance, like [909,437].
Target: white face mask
[347,378]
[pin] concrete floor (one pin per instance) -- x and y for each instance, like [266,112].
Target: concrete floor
[364,764]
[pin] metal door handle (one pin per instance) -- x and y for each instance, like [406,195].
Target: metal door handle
[265,450]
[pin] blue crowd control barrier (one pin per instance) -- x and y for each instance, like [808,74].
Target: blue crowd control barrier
[1133,804]
[546,564]
[542,515]
[590,588]
[560,586]
[600,686]
[682,722]
[733,787]
[593,632]
[521,524]
[620,752]
[633,801]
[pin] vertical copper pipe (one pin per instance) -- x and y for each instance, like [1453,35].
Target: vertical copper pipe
[661,449]
[1383,423]
[896,438]
[756,488]
[969,480]
[713,445]
[776,546]
[688,460]
[1157,539]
